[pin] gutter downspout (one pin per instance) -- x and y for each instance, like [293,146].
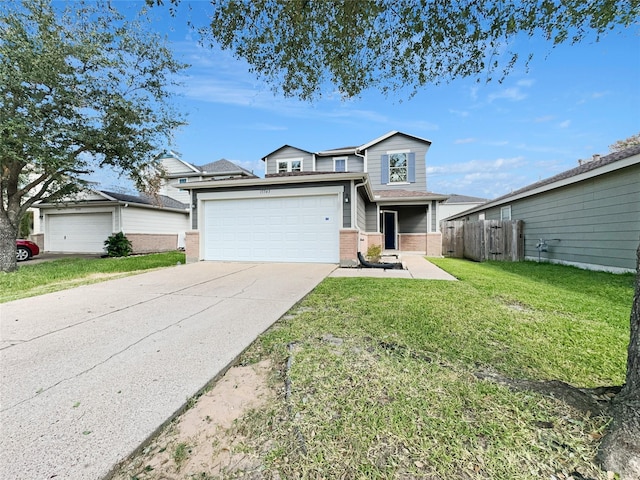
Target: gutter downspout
[355,203]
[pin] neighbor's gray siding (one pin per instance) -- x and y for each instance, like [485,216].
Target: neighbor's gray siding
[594,222]
[288,153]
[395,143]
[354,163]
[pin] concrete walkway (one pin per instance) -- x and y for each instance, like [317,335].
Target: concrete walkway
[88,374]
[416,267]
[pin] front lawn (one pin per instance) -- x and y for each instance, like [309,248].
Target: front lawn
[381,384]
[31,280]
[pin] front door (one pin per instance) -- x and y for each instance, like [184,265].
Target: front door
[389,228]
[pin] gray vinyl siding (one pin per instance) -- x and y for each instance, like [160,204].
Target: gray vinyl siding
[596,221]
[354,163]
[346,207]
[289,153]
[371,217]
[396,143]
[412,219]
[361,213]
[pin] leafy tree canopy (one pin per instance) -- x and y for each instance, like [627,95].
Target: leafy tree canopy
[300,45]
[81,87]
[632,141]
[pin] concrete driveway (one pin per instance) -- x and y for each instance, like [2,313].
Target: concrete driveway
[90,373]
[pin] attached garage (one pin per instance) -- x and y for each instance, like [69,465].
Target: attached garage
[272,226]
[78,232]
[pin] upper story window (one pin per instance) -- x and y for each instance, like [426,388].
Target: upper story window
[340,164]
[505,213]
[398,167]
[182,180]
[294,165]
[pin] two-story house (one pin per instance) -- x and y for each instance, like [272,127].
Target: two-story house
[320,206]
[177,172]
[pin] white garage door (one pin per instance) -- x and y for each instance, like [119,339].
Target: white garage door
[284,229]
[78,233]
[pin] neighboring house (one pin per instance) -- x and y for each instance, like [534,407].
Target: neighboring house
[456,204]
[178,172]
[320,207]
[152,224]
[588,216]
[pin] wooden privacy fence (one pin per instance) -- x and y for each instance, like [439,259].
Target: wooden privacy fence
[483,240]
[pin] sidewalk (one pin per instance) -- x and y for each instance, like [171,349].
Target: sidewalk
[416,265]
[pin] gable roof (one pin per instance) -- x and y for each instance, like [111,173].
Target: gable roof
[588,169]
[174,156]
[389,135]
[223,166]
[283,147]
[351,150]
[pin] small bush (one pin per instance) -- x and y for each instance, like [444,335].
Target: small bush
[118,245]
[373,253]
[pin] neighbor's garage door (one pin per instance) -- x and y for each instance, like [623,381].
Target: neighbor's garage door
[281,229]
[78,233]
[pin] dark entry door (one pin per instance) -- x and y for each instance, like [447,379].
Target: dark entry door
[389,227]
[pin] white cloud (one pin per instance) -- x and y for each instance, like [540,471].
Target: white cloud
[465,140]
[528,82]
[544,118]
[513,94]
[476,167]
[564,124]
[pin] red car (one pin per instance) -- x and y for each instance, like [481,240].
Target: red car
[26,250]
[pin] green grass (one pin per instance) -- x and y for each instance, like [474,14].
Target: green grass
[31,280]
[397,398]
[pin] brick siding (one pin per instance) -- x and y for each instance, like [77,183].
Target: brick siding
[152,242]
[348,247]
[192,246]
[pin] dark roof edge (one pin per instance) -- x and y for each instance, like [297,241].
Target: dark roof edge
[589,169]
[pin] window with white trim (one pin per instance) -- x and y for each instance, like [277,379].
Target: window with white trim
[505,213]
[182,180]
[293,165]
[340,164]
[398,167]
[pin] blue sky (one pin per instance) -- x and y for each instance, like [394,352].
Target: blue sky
[488,139]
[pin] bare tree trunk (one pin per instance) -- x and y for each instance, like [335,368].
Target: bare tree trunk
[620,449]
[8,235]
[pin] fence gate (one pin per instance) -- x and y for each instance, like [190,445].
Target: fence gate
[484,240]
